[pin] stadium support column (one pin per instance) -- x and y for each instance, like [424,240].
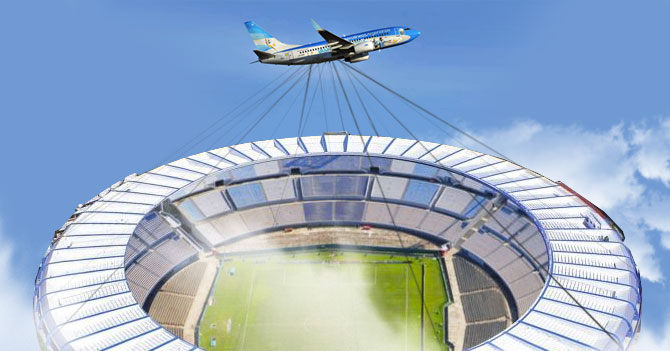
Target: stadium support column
[480,218]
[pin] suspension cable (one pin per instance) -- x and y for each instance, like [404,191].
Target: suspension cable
[114,271]
[311,104]
[452,126]
[245,114]
[388,208]
[538,264]
[362,104]
[323,99]
[196,139]
[337,97]
[270,109]
[304,100]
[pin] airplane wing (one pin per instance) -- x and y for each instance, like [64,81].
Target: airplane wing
[336,43]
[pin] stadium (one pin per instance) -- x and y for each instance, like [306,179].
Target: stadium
[335,242]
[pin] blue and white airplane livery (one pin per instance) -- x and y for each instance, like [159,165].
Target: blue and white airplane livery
[352,48]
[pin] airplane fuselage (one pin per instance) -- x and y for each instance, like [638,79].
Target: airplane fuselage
[364,43]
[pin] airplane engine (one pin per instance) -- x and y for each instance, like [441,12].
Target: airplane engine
[357,58]
[363,47]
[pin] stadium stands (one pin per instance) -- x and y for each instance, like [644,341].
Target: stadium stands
[484,304]
[154,251]
[174,300]
[477,333]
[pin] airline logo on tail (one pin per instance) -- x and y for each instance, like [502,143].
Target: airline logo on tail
[264,41]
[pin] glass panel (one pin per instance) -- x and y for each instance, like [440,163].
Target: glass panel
[323,163]
[349,211]
[333,186]
[350,186]
[279,189]
[211,203]
[318,211]
[453,200]
[420,192]
[425,170]
[190,210]
[475,205]
[267,168]
[243,173]
[402,167]
[382,163]
[247,194]
[318,186]
[391,188]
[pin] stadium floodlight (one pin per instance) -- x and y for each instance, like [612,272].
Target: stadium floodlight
[156,260]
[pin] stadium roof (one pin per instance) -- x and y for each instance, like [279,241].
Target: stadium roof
[83,302]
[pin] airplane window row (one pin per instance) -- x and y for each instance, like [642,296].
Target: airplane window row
[322,47]
[319,48]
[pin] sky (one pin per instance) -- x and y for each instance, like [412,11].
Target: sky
[91,91]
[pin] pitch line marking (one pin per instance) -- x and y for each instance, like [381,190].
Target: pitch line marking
[406,304]
[246,317]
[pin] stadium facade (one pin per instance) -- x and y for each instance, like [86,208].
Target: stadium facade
[568,280]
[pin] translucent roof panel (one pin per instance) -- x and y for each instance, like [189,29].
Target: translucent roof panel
[281,189]
[269,147]
[399,146]
[453,200]
[292,146]
[250,151]
[334,186]
[389,187]
[247,194]
[356,143]
[324,163]
[211,203]
[335,142]
[420,192]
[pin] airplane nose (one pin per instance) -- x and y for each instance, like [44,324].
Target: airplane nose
[413,34]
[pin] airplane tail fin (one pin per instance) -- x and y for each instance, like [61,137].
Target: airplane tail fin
[264,41]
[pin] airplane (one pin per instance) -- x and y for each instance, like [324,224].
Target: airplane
[352,48]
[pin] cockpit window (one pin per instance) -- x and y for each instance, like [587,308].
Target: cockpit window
[408,28]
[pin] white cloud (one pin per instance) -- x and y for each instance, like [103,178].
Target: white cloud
[640,244]
[654,208]
[591,162]
[653,143]
[17,329]
[651,341]
[611,167]
[665,240]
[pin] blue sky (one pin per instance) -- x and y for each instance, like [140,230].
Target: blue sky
[93,91]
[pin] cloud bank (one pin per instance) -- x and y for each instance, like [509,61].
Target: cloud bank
[624,169]
[650,341]
[17,329]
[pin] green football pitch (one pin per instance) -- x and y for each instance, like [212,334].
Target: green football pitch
[326,301]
